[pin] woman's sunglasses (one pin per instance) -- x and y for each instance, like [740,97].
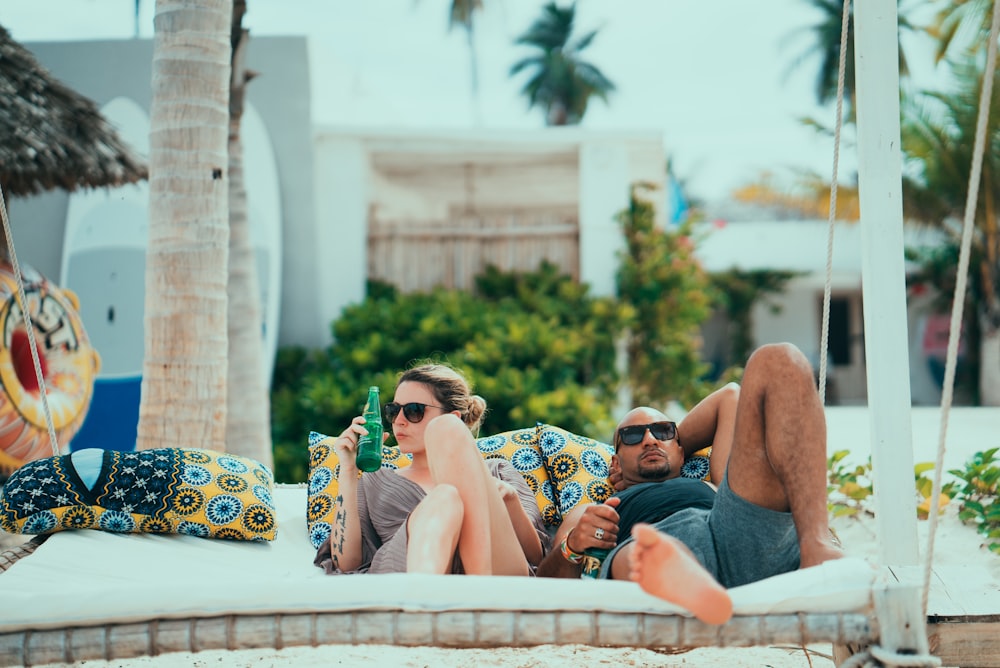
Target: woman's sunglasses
[661,431]
[413,411]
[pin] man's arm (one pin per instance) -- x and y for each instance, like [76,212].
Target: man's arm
[712,422]
[578,529]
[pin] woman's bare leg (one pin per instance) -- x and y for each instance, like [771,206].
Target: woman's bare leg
[664,567]
[487,543]
[432,531]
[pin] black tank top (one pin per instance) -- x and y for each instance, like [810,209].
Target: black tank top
[651,502]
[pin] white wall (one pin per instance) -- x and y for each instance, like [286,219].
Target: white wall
[604,192]
[342,194]
[798,321]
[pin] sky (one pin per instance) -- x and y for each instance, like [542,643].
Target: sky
[723,81]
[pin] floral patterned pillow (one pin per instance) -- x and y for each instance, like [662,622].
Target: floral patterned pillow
[168,490]
[520,448]
[578,467]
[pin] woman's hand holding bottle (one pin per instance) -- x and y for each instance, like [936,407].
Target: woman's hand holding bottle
[346,446]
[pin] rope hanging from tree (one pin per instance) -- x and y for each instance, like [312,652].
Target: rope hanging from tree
[22,302]
[827,286]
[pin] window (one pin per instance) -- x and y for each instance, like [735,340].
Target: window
[839,344]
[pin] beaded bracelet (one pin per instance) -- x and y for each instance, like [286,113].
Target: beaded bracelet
[568,554]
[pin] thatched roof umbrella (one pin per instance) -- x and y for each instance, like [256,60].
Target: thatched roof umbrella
[52,137]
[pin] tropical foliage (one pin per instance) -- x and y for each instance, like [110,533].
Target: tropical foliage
[669,293]
[938,133]
[462,14]
[824,43]
[980,495]
[962,27]
[560,83]
[536,345]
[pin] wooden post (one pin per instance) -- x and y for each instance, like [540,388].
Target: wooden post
[902,626]
[883,286]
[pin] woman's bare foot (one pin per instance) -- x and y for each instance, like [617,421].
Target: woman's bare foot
[665,568]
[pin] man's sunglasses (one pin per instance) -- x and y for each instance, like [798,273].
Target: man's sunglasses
[661,431]
[413,411]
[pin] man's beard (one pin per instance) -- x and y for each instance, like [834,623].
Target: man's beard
[656,472]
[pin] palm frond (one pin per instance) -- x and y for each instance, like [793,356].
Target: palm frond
[560,83]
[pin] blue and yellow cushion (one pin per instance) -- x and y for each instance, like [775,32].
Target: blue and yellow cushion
[696,466]
[169,490]
[520,448]
[324,467]
[577,465]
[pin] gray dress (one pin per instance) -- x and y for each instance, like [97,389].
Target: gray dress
[385,501]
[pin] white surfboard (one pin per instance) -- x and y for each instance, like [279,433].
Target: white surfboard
[260,172]
[104,263]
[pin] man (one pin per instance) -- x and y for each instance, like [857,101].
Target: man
[769,515]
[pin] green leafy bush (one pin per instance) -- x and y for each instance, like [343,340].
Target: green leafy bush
[978,496]
[536,345]
[669,295]
[848,486]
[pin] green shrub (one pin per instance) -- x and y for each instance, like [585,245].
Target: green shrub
[848,486]
[536,345]
[979,495]
[669,296]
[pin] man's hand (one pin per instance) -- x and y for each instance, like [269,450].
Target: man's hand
[615,477]
[597,528]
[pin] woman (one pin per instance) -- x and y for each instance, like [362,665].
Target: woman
[449,511]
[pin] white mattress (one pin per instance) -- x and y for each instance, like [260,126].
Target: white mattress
[82,578]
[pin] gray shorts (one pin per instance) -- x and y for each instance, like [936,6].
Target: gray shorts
[736,541]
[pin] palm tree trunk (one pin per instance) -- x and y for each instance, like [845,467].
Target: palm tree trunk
[248,429]
[184,371]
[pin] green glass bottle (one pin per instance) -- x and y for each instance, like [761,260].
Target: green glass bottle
[369,454]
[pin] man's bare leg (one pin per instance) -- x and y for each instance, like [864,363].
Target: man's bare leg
[778,460]
[665,568]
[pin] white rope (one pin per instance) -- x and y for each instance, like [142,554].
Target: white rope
[827,286]
[958,302]
[29,326]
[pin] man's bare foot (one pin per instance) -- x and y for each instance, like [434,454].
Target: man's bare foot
[664,567]
[816,554]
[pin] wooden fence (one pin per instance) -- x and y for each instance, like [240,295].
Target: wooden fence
[419,255]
